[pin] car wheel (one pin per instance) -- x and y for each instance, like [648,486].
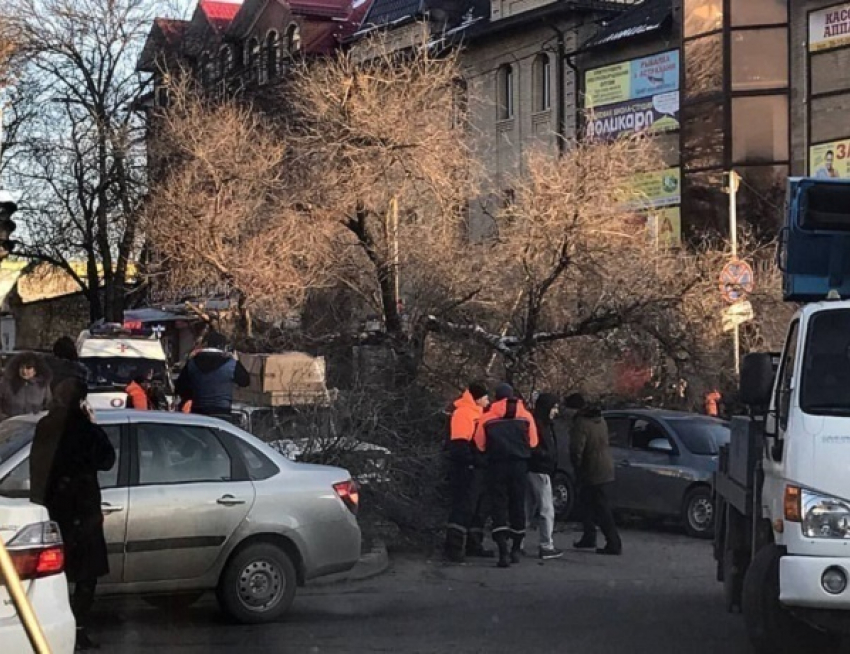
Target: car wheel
[770,627]
[172,603]
[563,495]
[699,513]
[258,584]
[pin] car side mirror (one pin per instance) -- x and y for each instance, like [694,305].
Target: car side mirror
[756,381]
[660,445]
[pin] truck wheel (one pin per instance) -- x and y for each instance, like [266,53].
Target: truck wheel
[771,628]
[698,510]
[258,584]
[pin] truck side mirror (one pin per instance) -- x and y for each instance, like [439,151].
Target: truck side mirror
[756,382]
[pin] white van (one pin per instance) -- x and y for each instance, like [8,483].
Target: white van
[113,358]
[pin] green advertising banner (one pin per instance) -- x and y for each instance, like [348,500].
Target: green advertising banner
[661,188]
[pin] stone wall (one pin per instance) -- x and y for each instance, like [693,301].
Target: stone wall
[39,324]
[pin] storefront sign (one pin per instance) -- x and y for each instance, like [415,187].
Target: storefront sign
[632,80]
[657,114]
[657,189]
[830,160]
[829,28]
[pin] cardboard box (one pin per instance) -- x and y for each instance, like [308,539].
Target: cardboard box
[286,379]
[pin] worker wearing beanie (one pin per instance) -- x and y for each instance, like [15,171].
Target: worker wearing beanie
[465,531]
[507,435]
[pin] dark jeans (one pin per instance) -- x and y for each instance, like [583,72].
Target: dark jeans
[507,483]
[467,488]
[597,513]
[82,600]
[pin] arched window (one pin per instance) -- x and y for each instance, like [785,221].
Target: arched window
[226,60]
[542,76]
[252,58]
[505,91]
[273,55]
[207,69]
[293,40]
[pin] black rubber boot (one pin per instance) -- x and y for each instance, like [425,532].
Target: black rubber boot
[504,552]
[475,546]
[516,550]
[455,545]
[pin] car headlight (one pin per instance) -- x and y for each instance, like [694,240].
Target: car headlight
[824,516]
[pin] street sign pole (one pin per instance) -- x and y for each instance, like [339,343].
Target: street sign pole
[733,237]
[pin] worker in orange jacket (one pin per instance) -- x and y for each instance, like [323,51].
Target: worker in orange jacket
[506,435]
[467,483]
[137,394]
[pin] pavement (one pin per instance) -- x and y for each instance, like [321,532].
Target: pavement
[660,596]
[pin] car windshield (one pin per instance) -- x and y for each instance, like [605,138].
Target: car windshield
[14,434]
[825,386]
[120,371]
[701,436]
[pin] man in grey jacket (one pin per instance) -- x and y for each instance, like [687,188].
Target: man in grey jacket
[591,458]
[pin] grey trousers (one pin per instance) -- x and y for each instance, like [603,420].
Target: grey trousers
[538,502]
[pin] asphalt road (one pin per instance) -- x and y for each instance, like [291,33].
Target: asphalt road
[659,597]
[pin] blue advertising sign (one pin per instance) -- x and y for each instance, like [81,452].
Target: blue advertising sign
[656,74]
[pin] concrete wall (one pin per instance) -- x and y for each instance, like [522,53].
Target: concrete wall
[504,144]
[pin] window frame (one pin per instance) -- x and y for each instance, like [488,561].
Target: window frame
[627,420]
[783,396]
[238,468]
[505,81]
[542,81]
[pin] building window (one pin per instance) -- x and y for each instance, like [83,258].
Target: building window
[760,59]
[759,12]
[760,129]
[506,92]
[704,66]
[226,60]
[252,58]
[702,136]
[460,103]
[293,40]
[703,16]
[207,69]
[273,55]
[542,83]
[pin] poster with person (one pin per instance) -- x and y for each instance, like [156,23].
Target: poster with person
[830,160]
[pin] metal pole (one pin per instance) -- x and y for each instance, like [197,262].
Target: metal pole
[733,238]
[21,602]
[396,261]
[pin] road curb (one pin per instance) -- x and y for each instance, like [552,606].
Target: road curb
[371,564]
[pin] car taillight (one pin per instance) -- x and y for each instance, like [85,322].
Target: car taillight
[349,494]
[37,551]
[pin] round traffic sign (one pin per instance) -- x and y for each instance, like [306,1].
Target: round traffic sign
[736,281]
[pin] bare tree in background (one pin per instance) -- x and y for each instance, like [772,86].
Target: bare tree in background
[222,212]
[380,154]
[571,259]
[78,160]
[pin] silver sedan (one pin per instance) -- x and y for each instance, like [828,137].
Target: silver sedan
[194,504]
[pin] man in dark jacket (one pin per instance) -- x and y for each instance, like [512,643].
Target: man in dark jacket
[65,363]
[465,530]
[207,379]
[67,452]
[541,467]
[591,458]
[506,435]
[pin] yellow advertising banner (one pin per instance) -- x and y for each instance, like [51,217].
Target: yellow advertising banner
[665,227]
[608,85]
[830,160]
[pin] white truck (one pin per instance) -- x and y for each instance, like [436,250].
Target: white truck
[782,490]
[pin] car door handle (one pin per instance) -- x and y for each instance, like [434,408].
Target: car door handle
[108,508]
[229,500]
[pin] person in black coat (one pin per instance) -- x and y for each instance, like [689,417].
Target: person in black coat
[541,467]
[68,450]
[65,363]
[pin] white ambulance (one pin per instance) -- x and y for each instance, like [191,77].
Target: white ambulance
[114,356]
